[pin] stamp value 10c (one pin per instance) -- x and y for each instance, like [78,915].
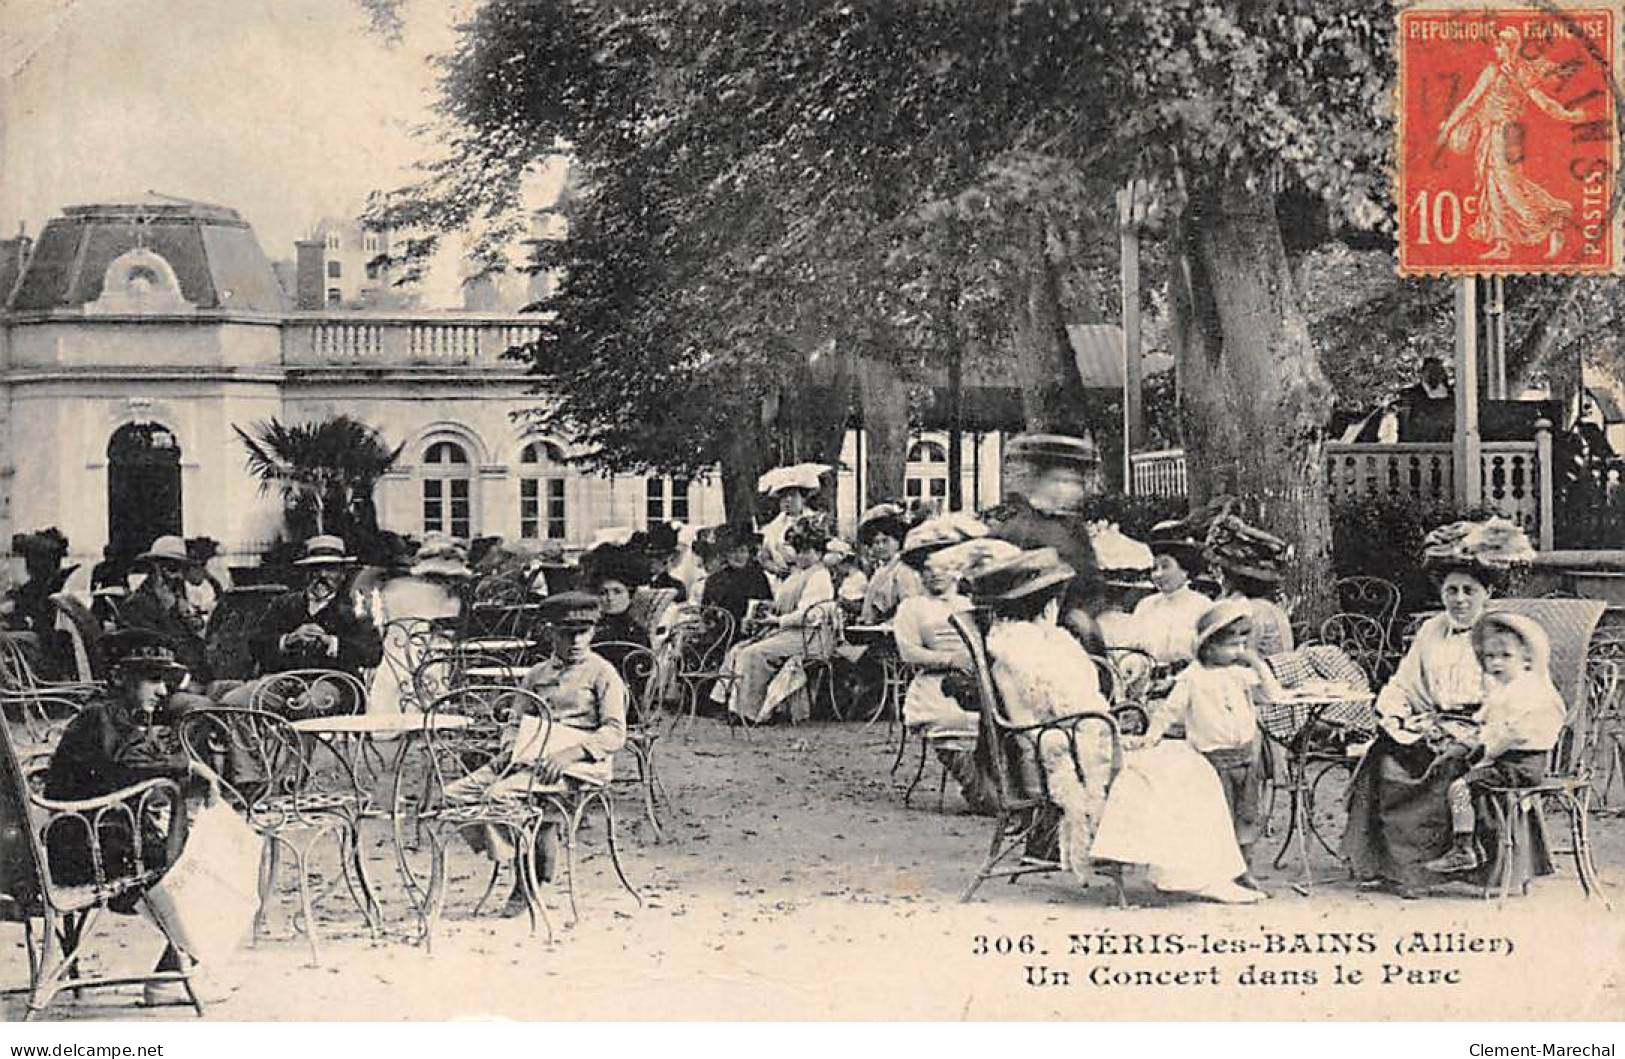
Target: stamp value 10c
[1508,139]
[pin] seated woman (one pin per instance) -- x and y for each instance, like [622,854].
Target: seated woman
[1398,812]
[615,572]
[1258,584]
[1166,621]
[1166,808]
[119,739]
[759,661]
[881,533]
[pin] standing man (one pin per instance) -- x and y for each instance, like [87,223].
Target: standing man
[1053,473]
[317,626]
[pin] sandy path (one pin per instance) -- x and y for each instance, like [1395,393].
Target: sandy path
[795,885]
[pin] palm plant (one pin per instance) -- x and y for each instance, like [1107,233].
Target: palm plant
[328,468]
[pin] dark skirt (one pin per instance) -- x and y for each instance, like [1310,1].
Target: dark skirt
[1398,820]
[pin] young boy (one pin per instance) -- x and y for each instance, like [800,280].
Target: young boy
[1213,699]
[1522,717]
[587,700]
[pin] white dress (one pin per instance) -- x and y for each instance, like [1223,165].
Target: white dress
[1166,624]
[1166,811]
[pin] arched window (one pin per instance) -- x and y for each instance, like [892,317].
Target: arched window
[542,512]
[925,476]
[447,477]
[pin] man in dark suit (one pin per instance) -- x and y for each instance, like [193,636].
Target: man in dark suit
[317,627]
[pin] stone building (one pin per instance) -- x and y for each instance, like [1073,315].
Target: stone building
[136,334]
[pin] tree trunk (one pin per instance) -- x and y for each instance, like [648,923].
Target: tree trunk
[741,466]
[1052,395]
[884,400]
[1252,399]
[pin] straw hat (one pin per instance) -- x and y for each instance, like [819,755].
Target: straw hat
[968,559]
[324,549]
[942,532]
[1053,450]
[802,476]
[440,556]
[1219,617]
[169,549]
[1021,576]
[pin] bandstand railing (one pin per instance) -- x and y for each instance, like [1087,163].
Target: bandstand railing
[1515,476]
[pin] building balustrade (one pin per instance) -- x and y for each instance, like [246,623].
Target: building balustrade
[358,339]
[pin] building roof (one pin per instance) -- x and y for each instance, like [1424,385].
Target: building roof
[1099,352]
[217,261]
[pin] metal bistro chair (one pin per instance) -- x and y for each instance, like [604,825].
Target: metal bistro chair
[407,642]
[1363,639]
[1021,788]
[41,711]
[701,642]
[820,635]
[278,782]
[486,713]
[297,694]
[639,669]
[110,828]
[1375,597]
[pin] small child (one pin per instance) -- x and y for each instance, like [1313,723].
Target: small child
[1522,716]
[1214,700]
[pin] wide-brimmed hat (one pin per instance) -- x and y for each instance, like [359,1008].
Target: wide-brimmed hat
[803,476]
[942,532]
[837,547]
[169,548]
[1053,450]
[1527,629]
[324,549]
[968,559]
[440,556]
[1021,576]
[1174,540]
[47,542]
[809,532]
[143,651]
[1219,617]
[571,610]
[737,535]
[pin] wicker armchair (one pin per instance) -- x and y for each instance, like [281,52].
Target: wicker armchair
[115,836]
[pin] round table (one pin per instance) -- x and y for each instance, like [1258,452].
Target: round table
[1290,723]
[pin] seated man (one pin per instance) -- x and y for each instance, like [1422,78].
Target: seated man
[160,606]
[317,626]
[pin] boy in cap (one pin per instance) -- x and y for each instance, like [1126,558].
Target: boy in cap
[586,698]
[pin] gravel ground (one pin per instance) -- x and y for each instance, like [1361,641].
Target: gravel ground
[794,884]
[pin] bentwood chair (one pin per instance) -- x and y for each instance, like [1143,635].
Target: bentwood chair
[700,643]
[639,670]
[464,731]
[1363,639]
[296,796]
[820,634]
[1020,785]
[1375,597]
[112,834]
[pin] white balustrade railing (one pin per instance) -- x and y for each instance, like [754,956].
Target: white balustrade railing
[1515,476]
[355,338]
[1160,473]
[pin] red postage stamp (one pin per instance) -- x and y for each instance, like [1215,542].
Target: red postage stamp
[1508,139]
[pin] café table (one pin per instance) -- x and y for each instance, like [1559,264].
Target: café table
[895,674]
[1293,724]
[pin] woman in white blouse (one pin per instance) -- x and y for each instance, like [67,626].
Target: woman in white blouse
[807,586]
[1398,817]
[1165,622]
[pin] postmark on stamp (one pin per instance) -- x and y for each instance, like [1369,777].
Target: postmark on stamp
[1508,149]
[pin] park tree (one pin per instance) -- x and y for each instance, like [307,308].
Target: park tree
[755,178]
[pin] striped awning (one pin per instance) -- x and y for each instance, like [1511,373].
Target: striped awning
[1099,352]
